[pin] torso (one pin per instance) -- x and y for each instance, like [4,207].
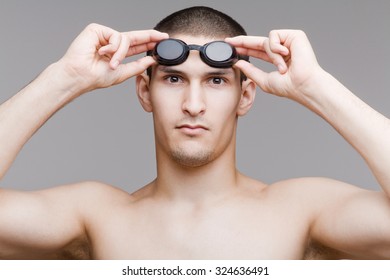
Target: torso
[257,222]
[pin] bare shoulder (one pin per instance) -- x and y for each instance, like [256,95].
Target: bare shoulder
[318,195]
[336,212]
[83,193]
[87,202]
[52,223]
[100,190]
[304,189]
[309,188]
[95,202]
[97,195]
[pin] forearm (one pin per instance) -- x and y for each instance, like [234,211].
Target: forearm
[23,114]
[94,60]
[364,128]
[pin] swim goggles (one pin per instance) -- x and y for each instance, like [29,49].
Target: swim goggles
[218,54]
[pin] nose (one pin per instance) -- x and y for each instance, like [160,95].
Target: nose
[194,102]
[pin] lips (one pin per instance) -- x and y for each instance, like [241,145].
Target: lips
[192,129]
[190,126]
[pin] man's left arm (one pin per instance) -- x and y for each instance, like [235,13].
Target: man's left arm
[301,79]
[364,128]
[349,219]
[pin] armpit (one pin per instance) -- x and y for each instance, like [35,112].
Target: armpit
[76,250]
[317,251]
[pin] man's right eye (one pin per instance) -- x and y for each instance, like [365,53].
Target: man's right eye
[172,79]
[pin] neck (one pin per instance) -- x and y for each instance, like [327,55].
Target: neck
[208,182]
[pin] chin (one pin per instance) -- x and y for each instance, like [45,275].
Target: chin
[192,158]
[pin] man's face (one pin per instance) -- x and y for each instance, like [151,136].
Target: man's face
[194,108]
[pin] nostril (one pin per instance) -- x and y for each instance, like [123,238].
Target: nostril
[194,106]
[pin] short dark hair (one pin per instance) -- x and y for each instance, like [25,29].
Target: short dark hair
[200,20]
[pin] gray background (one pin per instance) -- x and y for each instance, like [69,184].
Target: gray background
[106,136]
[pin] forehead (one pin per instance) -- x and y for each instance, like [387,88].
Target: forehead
[196,40]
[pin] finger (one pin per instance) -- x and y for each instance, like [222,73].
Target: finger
[248,42]
[133,50]
[257,42]
[145,36]
[120,52]
[254,53]
[113,44]
[128,70]
[253,73]
[250,45]
[276,45]
[135,42]
[267,49]
[124,52]
[107,37]
[277,59]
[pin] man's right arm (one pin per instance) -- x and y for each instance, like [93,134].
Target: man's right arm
[50,219]
[23,114]
[92,61]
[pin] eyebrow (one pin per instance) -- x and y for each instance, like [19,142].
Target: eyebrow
[169,70]
[217,72]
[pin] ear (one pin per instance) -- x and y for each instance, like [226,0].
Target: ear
[142,84]
[248,93]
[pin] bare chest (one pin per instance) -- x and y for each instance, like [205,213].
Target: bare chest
[227,234]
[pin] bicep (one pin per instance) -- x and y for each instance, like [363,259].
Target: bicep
[354,222]
[35,224]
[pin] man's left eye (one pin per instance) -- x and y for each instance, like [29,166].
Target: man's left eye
[217,80]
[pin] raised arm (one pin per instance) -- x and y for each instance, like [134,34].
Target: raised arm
[353,221]
[37,224]
[92,61]
[301,79]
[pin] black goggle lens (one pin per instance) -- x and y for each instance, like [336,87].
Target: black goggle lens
[217,54]
[169,51]
[219,51]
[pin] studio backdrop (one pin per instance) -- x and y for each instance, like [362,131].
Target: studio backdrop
[106,136]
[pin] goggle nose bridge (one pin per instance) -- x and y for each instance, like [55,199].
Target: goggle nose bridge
[195,48]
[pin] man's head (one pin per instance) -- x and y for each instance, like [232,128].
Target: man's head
[200,21]
[195,106]
[204,21]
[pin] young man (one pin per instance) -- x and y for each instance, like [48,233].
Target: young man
[199,206]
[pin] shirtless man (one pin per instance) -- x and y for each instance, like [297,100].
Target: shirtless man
[199,206]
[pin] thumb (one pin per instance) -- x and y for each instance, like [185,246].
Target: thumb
[128,70]
[253,73]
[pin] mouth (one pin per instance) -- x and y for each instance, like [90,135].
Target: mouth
[192,129]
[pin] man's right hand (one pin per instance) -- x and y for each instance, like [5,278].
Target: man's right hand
[94,59]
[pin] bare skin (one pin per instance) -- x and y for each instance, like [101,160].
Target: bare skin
[199,206]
